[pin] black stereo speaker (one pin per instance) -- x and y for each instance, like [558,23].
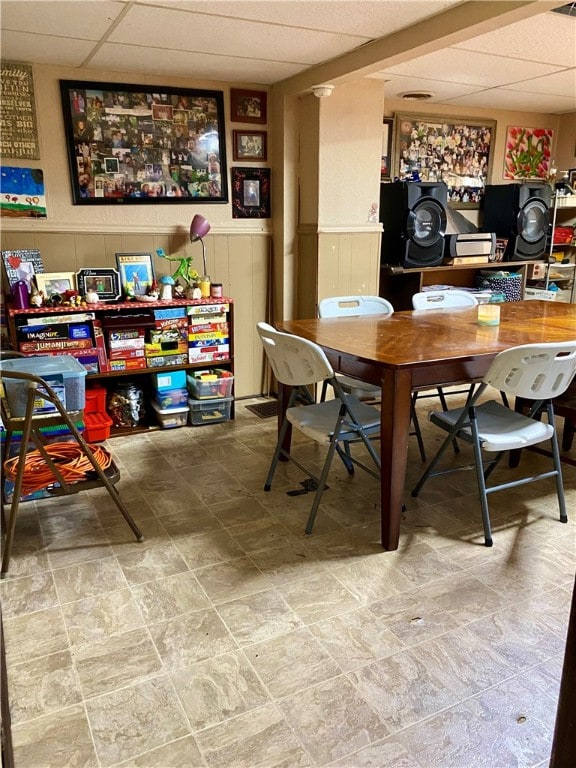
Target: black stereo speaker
[413,215]
[521,213]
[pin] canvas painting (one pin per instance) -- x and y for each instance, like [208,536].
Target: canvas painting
[527,154]
[22,193]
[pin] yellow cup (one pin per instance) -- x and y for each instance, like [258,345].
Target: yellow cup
[204,286]
[488,314]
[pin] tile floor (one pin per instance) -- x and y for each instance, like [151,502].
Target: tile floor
[229,639]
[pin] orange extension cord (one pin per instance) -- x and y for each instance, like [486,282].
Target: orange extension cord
[70,459]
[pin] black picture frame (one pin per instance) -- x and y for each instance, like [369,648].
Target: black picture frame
[144,145]
[386,157]
[250,145]
[250,193]
[105,282]
[136,272]
[455,150]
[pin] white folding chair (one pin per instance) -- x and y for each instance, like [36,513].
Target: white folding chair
[536,372]
[347,306]
[299,363]
[446,299]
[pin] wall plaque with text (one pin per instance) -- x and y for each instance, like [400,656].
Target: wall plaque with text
[18,129]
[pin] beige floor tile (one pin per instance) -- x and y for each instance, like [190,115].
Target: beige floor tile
[387,753]
[262,533]
[96,577]
[232,579]
[208,549]
[21,635]
[101,616]
[288,663]
[183,753]
[356,638]
[133,720]
[332,719]
[258,739]
[147,564]
[43,686]
[318,597]
[238,511]
[54,741]
[169,597]
[288,561]
[191,638]
[258,617]
[115,662]
[27,594]
[218,689]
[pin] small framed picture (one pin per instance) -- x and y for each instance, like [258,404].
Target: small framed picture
[55,283]
[250,145]
[104,282]
[250,193]
[248,106]
[136,273]
[386,157]
[572,179]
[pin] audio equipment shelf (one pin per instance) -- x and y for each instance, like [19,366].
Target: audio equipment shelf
[563,214]
[398,284]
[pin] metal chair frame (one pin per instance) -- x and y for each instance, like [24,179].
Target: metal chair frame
[30,426]
[539,372]
[298,364]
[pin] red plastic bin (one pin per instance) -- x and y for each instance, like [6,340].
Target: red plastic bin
[95,400]
[97,427]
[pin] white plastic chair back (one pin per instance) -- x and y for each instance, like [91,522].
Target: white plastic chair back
[295,361]
[342,306]
[534,371]
[443,299]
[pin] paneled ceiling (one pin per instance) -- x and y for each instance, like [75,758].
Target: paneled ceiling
[528,65]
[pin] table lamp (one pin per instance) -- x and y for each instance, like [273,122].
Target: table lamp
[198,229]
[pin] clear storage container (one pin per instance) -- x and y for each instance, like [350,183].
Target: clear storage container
[211,383]
[209,411]
[63,371]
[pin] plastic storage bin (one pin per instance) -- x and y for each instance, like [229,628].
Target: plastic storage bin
[172,398]
[95,400]
[211,383]
[63,370]
[168,418]
[97,427]
[209,411]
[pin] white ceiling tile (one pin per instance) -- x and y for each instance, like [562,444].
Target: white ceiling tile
[473,68]
[201,66]
[374,18]
[87,20]
[501,98]
[44,49]
[170,29]
[559,84]
[550,37]
[396,84]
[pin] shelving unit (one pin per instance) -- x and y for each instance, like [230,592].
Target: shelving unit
[562,273]
[398,285]
[119,315]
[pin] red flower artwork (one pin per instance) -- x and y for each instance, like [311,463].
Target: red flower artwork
[527,153]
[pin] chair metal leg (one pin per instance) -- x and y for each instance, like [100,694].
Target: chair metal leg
[416,424]
[557,465]
[321,485]
[276,457]
[481,480]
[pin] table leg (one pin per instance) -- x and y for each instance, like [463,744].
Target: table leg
[394,430]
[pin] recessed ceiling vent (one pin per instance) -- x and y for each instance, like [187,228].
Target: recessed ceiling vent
[416,95]
[568,10]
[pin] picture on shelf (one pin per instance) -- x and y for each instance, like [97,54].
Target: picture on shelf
[105,282]
[55,283]
[21,265]
[136,273]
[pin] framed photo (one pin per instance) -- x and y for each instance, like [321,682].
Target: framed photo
[22,265]
[248,106]
[104,282]
[144,144]
[386,158]
[55,283]
[250,145]
[250,193]
[455,150]
[527,153]
[572,179]
[136,273]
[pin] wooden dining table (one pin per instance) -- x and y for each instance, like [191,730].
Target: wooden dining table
[420,350]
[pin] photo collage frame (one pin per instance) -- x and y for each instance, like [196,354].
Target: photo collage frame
[144,144]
